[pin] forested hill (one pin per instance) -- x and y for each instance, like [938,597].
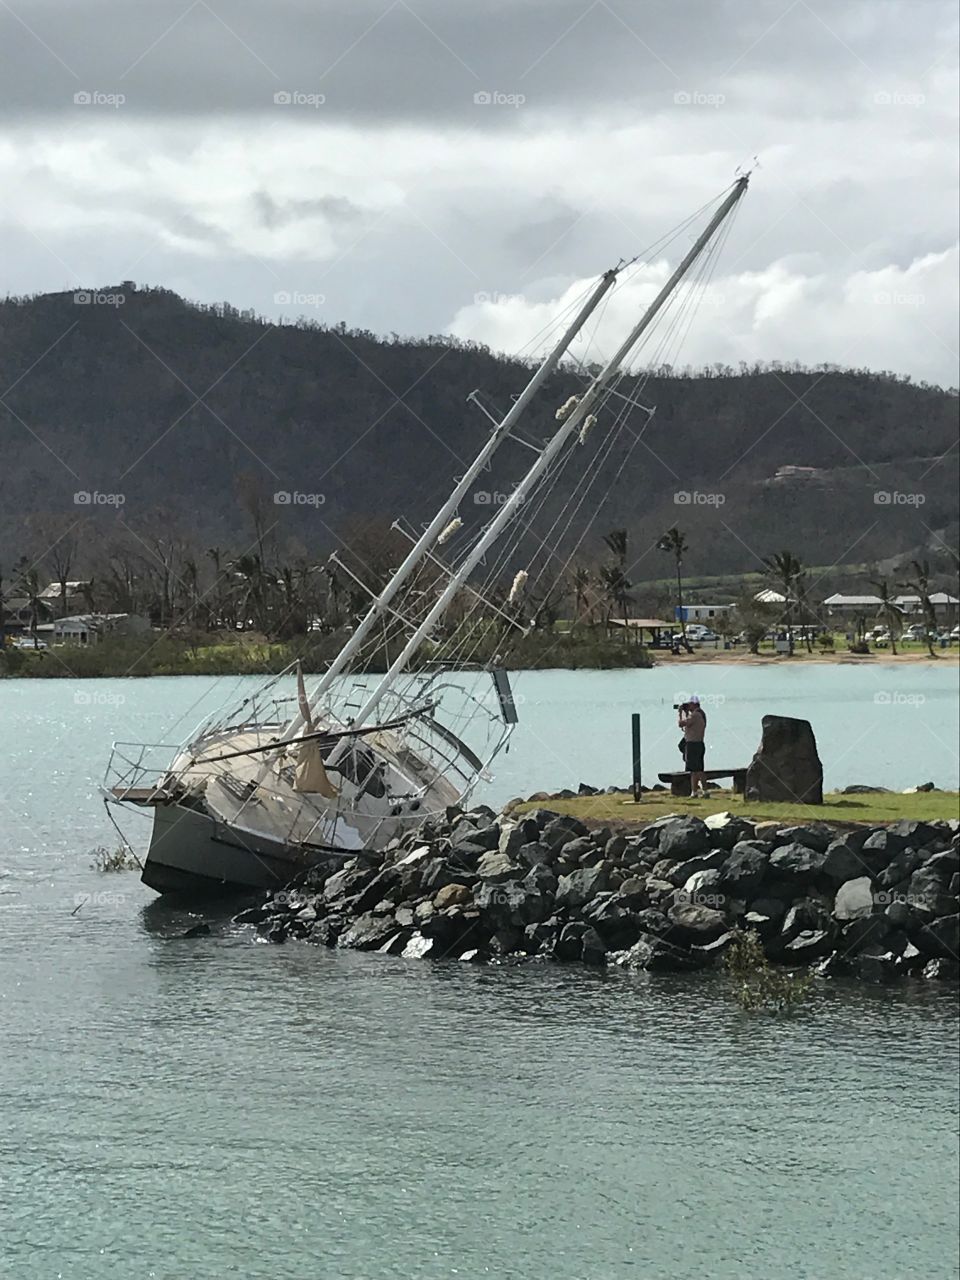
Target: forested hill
[180,409]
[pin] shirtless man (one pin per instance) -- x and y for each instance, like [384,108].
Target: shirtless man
[693,722]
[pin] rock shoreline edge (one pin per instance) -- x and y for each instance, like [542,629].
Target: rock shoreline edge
[876,903]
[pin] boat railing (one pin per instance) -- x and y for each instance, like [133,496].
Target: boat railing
[138,765]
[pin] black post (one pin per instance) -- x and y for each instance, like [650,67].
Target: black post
[635,728]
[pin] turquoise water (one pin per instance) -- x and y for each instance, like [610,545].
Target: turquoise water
[219,1107]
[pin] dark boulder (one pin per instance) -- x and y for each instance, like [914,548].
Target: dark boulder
[741,874]
[569,944]
[367,933]
[918,834]
[842,862]
[945,864]
[862,932]
[814,835]
[561,830]
[580,886]
[875,963]
[928,892]
[681,873]
[900,868]
[633,891]
[806,916]
[879,850]
[807,946]
[727,829]
[593,950]
[692,924]
[939,937]
[684,838]
[797,864]
[786,766]
[497,868]
[656,955]
[535,854]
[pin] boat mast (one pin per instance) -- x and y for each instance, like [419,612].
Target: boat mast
[440,521]
[549,453]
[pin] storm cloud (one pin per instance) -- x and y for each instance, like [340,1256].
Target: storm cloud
[464,167]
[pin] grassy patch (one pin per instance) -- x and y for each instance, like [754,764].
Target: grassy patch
[874,809]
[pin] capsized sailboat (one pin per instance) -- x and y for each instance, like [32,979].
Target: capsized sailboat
[262,791]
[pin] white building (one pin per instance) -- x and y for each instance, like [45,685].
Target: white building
[88,628]
[706,612]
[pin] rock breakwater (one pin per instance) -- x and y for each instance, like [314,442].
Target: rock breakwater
[876,903]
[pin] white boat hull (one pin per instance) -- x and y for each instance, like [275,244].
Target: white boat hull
[191,853]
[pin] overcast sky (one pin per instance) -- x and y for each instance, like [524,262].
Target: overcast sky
[463,166]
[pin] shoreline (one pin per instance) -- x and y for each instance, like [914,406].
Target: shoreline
[47,666]
[674,895]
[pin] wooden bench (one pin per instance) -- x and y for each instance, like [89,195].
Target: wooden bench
[680,782]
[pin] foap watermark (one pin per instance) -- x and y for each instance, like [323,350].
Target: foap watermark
[102,898]
[91,698]
[894,698]
[706,699]
[887,897]
[695,898]
[294,498]
[293,298]
[894,498]
[696,98]
[86,498]
[494,299]
[91,298]
[97,98]
[297,98]
[898,98]
[894,298]
[491,498]
[495,98]
[694,498]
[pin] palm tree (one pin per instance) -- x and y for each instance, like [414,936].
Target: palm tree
[616,589]
[581,580]
[889,612]
[920,585]
[786,571]
[675,544]
[616,540]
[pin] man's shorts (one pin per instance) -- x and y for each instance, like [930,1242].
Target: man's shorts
[693,757]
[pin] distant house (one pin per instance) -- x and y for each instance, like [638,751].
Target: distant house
[852,606]
[944,604]
[89,628]
[769,596]
[76,594]
[706,612]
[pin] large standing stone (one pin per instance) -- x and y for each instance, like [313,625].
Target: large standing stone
[786,766]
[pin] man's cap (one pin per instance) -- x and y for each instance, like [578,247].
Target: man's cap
[694,699]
